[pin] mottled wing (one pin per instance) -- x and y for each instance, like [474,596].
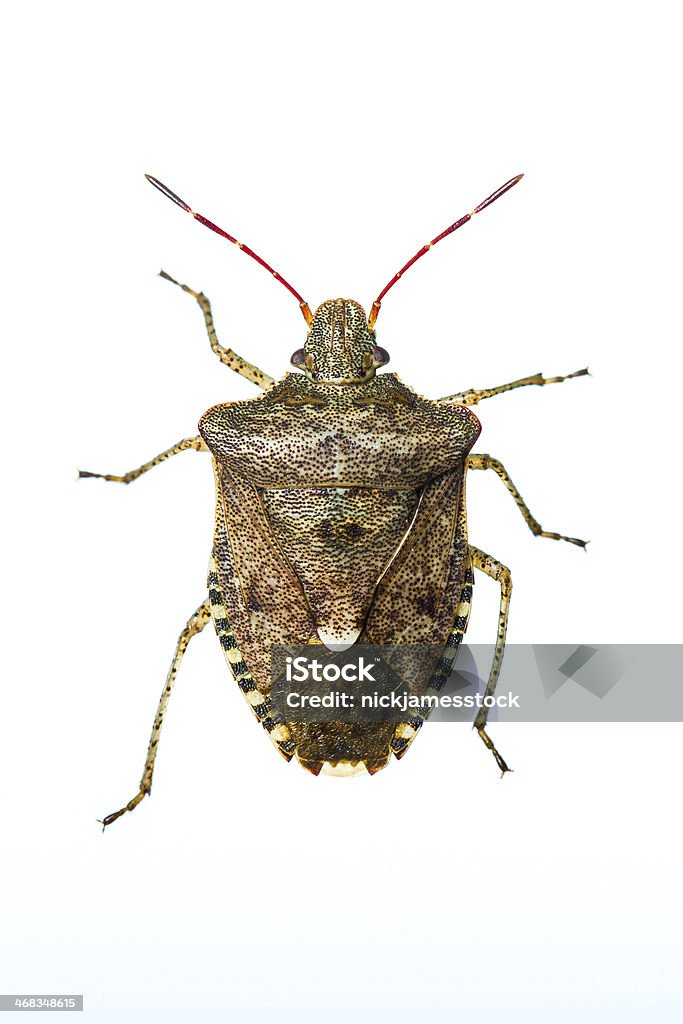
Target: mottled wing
[416,597]
[264,601]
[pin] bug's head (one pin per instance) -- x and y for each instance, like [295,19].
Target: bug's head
[340,347]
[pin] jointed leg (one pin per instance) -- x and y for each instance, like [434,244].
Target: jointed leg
[196,443]
[226,355]
[472,397]
[488,462]
[195,625]
[499,572]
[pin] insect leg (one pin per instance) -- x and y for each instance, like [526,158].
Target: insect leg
[499,572]
[196,443]
[488,462]
[472,397]
[226,355]
[195,624]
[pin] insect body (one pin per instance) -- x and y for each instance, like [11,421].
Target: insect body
[340,520]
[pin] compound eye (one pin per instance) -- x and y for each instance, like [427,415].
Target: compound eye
[380,356]
[298,357]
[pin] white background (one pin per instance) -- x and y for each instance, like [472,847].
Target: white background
[335,140]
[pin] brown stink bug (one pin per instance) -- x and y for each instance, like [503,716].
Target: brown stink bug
[340,520]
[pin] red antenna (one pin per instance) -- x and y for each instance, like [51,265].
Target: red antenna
[425,248]
[303,305]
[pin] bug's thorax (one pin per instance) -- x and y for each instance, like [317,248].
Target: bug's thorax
[304,433]
[340,347]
